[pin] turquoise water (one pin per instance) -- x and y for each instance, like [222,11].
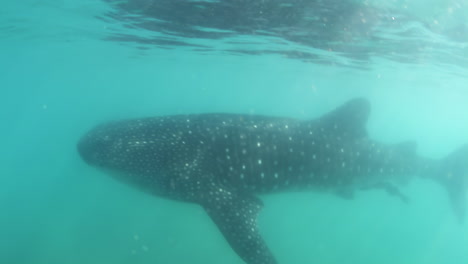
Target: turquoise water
[62,70]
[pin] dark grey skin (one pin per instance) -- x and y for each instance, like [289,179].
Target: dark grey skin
[223,161]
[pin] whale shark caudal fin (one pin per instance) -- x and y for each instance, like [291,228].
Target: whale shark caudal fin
[453,174]
[235,214]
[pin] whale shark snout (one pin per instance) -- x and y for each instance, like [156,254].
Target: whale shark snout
[94,147]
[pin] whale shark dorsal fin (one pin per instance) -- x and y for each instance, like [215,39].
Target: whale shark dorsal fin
[348,119]
[235,215]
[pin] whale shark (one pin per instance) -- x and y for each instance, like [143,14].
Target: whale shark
[223,162]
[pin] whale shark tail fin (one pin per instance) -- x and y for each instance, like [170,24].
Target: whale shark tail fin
[454,176]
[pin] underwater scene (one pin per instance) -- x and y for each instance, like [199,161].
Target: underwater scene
[234,131]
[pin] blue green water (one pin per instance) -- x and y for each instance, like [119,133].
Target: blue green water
[62,71]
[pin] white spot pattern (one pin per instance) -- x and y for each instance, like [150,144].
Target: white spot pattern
[181,157]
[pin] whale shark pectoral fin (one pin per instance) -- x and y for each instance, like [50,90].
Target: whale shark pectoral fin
[236,217]
[390,189]
[345,193]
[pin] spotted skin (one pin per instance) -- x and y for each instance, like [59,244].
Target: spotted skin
[222,161]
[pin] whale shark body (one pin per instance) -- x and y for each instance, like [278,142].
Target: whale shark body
[223,161]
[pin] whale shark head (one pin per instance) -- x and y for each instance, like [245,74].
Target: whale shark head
[132,147]
[96,146]
[112,145]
